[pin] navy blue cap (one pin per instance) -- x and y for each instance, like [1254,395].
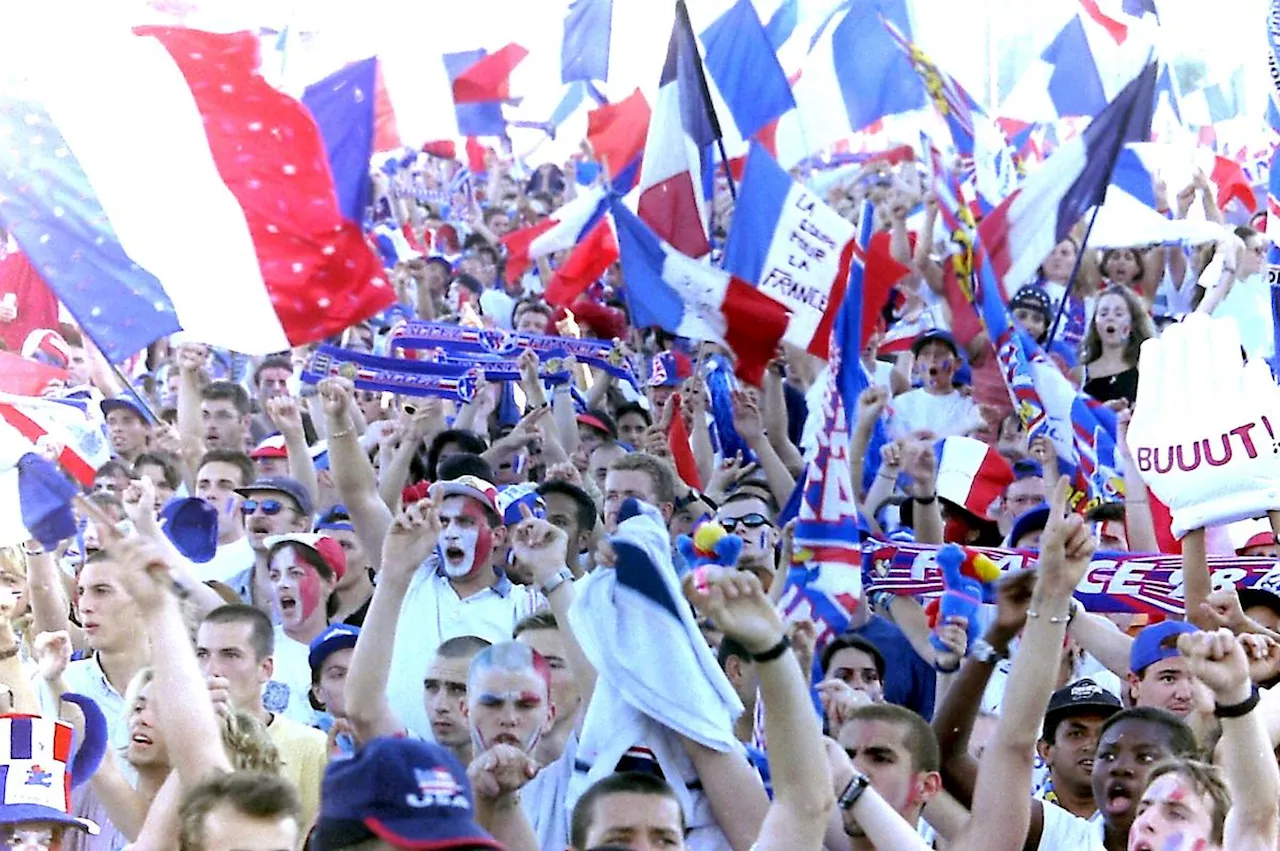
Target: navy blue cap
[937,335]
[409,793]
[281,484]
[337,636]
[1156,642]
[44,501]
[1027,468]
[192,525]
[1031,520]
[129,402]
[335,517]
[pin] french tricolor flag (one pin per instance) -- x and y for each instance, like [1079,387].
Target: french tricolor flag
[672,291]
[971,474]
[1020,233]
[582,222]
[793,247]
[173,189]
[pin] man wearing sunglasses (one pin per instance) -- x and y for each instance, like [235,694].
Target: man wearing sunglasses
[271,506]
[749,517]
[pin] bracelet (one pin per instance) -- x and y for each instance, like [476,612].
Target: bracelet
[942,670]
[849,797]
[1031,613]
[773,652]
[1235,710]
[892,478]
[33,551]
[926,500]
[346,433]
[9,652]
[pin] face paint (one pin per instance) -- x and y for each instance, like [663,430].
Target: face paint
[309,590]
[467,541]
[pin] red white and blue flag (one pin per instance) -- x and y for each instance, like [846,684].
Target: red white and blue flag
[793,247]
[583,226]
[248,250]
[672,291]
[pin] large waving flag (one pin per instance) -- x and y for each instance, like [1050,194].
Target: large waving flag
[66,426]
[672,291]
[744,68]
[853,76]
[617,133]
[1020,233]
[271,262]
[489,78]
[793,247]
[677,154]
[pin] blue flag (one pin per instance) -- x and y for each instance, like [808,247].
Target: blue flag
[342,105]
[782,23]
[740,59]
[474,119]
[874,76]
[1075,86]
[584,54]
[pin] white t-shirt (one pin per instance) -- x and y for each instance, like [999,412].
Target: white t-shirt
[1066,832]
[543,798]
[286,692]
[944,415]
[1249,304]
[229,560]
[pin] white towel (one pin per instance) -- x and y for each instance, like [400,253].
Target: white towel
[656,676]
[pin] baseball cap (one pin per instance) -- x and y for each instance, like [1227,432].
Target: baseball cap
[1264,592]
[192,525]
[329,550]
[128,402]
[280,484]
[409,793]
[1032,297]
[1031,520]
[511,497]
[1083,697]
[270,447]
[600,421]
[338,636]
[937,335]
[473,486]
[335,517]
[1250,533]
[1156,642]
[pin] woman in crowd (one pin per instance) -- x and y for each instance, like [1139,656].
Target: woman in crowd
[1110,351]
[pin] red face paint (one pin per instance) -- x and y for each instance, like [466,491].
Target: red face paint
[484,538]
[309,592]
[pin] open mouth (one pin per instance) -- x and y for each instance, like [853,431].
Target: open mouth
[1110,329]
[1118,798]
[454,553]
[1086,763]
[288,605]
[259,527]
[141,739]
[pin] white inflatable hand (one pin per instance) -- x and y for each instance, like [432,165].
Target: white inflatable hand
[1206,430]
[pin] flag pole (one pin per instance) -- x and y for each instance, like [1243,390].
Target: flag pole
[682,17]
[1111,167]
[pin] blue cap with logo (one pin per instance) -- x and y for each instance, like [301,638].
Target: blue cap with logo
[1156,642]
[337,636]
[409,793]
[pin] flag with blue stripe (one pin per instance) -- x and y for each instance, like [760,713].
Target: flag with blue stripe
[584,53]
[342,105]
[738,56]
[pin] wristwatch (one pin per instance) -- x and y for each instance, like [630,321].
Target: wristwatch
[561,576]
[985,653]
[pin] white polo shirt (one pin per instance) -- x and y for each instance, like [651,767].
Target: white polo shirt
[431,614]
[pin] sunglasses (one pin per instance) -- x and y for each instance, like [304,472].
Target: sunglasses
[751,521]
[270,507]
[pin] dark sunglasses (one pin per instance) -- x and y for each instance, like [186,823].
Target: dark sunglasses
[751,521]
[269,507]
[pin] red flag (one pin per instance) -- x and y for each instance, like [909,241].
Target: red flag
[1118,31]
[616,131]
[490,78]
[681,449]
[26,377]
[445,149]
[1229,177]
[386,136]
[475,155]
[588,260]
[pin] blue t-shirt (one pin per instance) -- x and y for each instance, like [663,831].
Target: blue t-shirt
[909,680]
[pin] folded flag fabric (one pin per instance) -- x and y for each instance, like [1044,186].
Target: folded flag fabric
[793,247]
[595,252]
[93,202]
[343,106]
[669,290]
[971,474]
[617,133]
[489,79]
[62,424]
[557,232]
[23,376]
[1020,233]
[584,52]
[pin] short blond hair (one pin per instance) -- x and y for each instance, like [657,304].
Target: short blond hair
[248,744]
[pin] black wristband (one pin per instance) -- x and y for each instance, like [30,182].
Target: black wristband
[773,652]
[1238,710]
[849,797]
[926,500]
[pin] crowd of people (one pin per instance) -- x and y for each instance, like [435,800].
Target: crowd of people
[317,615]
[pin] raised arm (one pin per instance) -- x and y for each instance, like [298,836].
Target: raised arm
[46,595]
[184,710]
[410,540]
[286,415]
[750,426]
[999,821]
[353,475]
[803,795]
[190,361]
[1222,664]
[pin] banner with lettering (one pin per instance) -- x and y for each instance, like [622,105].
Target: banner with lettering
[419,335]
[792,246]
[1149,583]
[448,378]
